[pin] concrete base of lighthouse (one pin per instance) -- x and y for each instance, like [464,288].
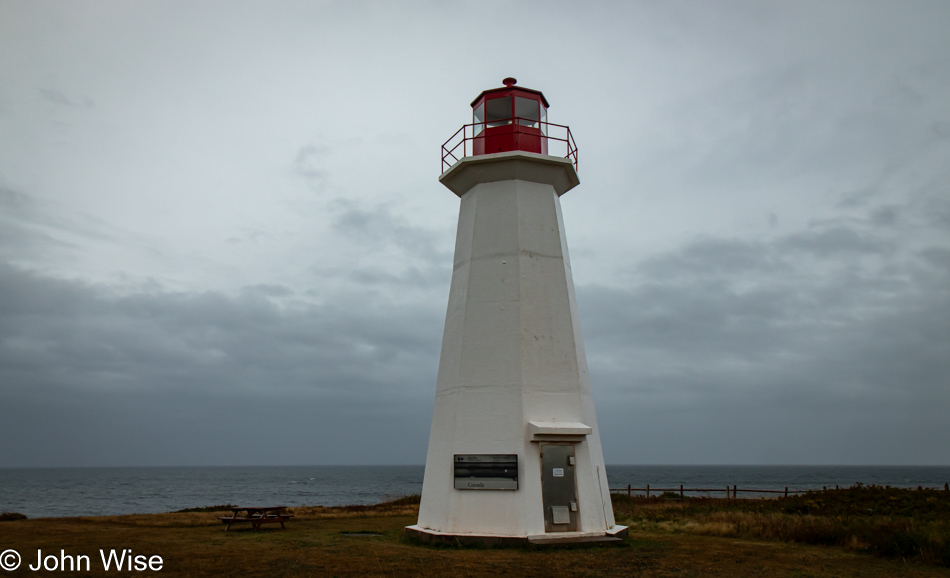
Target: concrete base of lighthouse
[513,396]
[614,535]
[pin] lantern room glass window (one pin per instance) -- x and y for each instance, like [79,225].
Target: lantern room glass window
[526,110]
[498,111]
[479,120]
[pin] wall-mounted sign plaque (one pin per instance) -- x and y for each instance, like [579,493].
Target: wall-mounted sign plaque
[486,471]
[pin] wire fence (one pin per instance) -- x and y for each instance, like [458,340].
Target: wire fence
[731,492]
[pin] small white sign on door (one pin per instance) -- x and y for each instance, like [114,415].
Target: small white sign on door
[558,472]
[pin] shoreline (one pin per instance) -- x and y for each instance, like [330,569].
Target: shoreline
[113,491]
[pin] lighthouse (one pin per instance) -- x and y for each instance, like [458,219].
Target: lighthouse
[514,450]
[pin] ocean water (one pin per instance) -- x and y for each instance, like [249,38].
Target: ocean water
[53,492]
[43,492]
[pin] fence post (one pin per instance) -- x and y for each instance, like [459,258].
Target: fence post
[786,491]
[824,488]
[681,490]
[734,495]
[628,490]
[648,490]
[727,491]
[946,487]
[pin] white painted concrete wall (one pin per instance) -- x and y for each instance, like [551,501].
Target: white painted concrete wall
[512,353]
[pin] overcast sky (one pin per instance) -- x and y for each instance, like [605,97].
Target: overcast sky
[223,240]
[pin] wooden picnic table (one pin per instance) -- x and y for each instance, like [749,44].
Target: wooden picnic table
[256,516]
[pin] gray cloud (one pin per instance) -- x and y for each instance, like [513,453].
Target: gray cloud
[57,97]
[149,355]
[377,226]
[770,337]
[836,239]
[34,227]
[310,165]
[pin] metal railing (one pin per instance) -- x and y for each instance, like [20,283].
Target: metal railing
[461,144]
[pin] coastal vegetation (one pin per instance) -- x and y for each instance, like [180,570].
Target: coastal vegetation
[888,522]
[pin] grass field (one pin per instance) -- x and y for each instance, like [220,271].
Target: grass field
[669,537]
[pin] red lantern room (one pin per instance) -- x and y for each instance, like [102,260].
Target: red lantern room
[510,119]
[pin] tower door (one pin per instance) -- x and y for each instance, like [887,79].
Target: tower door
[558,487]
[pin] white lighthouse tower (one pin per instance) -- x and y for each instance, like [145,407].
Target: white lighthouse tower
[514,450]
